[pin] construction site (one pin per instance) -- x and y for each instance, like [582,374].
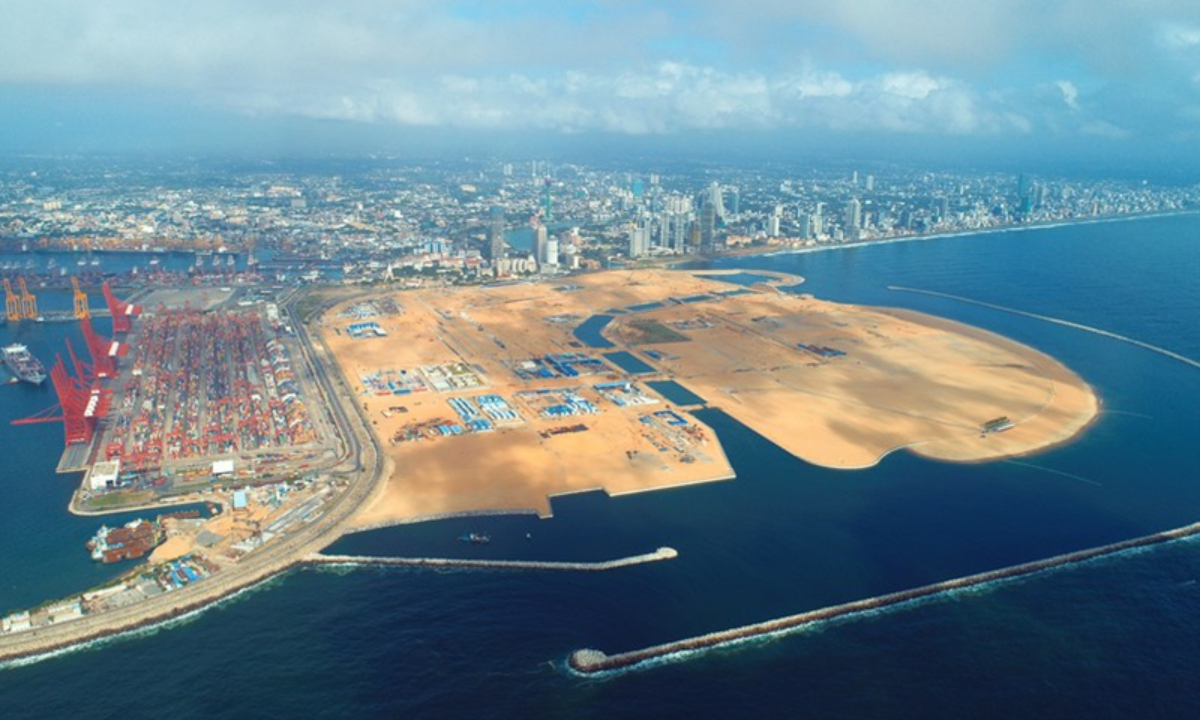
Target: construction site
[499,397]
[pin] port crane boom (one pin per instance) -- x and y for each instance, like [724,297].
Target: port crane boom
[12,303]
[82,311]
[28,301]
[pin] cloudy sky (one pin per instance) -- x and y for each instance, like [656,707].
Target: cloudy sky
[1075,72]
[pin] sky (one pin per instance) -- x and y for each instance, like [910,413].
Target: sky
[356,75]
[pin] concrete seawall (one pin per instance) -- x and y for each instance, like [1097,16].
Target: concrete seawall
[589,661]
[663,553]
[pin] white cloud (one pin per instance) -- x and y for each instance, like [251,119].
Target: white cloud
[667,98]
[1070,93]
[1176,36]
[937,66]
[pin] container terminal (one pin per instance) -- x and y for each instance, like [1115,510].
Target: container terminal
[208,411]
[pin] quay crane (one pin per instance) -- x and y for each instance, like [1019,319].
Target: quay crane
[82,311]
[28,301]
[12,303]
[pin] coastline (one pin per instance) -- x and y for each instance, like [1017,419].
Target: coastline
[951,234]
[182,606]
[1083,419]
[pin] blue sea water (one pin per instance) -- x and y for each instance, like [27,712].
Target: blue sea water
[1114,638]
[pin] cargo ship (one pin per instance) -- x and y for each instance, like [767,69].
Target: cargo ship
[127,542]
[24,365]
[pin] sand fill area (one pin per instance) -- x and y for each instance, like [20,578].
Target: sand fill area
[836,385]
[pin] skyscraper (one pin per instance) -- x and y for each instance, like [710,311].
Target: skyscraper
[540,240]
[853,220]
[639,240]
[712,196]
[773,226]
[708,226]
[495,246]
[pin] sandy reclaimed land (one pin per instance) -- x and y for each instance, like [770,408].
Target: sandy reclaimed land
[514,467]
[896,379]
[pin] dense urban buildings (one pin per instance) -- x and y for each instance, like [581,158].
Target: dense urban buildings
[475,220]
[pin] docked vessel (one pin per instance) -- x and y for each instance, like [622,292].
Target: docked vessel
[23,364]
[130,541]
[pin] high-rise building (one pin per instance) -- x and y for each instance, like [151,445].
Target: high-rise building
[552,252]
[672,230]
[495,246]
[708,227]
[540,240]
[870,184]
[853,220]
[639,240]
[712,196]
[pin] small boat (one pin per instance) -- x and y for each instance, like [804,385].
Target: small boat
[475,538]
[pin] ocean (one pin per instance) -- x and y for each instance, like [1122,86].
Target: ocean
[1117,637]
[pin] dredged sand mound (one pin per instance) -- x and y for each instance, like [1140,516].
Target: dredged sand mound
[836,385]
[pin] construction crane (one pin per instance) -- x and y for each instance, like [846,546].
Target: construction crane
[28,301]
[82,311]
[12,303]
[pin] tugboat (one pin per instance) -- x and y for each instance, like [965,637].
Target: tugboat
[475,538]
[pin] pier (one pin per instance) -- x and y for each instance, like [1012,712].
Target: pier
[663,553]
[589,662]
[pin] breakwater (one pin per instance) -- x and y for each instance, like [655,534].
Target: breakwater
[663,553]
[588,661]
[1056,321]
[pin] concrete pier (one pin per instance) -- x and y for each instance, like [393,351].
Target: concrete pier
[663,553]
[590,661]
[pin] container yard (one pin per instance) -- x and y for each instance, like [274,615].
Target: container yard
[200,387]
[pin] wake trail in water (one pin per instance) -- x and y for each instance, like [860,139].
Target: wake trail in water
[1056,321]
[1055,472]
[1126,412]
